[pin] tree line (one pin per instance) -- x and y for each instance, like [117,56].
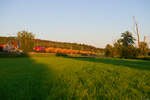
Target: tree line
[125,47]
[27,42]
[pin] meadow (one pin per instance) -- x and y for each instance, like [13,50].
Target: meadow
[47,77]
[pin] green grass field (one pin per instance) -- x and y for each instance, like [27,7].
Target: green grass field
[74,78]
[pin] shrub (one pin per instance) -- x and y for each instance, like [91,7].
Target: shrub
[109,50]
[84,54]
[61,54]
[129,52]
[50,50]
[143,49]
[16,54]
[149,53]
[1,49]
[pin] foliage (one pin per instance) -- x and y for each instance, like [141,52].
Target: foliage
[129,52]
[26,40]
[84,54]
[127,49]
[58,78]
[127,39]
[149,52]
[123,47]
[1,49]
[65,45]
[109,50]
[118,48]
[61,54]
[12,55]
[54,44]
[143,49]
[5,40]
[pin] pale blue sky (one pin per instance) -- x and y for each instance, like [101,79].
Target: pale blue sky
[94,22]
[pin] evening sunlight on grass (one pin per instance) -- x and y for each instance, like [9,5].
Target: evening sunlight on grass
[47,77]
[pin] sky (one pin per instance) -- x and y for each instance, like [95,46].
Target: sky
[93,22]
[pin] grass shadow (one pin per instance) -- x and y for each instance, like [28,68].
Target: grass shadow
[134,63]
[22,78]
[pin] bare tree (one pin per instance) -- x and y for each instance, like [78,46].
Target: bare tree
[136,30]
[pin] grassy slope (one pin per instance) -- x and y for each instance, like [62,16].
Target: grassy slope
[56,78]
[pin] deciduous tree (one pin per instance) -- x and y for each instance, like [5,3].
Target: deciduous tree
[26,40]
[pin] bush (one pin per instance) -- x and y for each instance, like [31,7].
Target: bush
[1,49]
[109,50]
[143,49]
[129,52]
[61,54]
[149,53]
[7,55]
[84,54]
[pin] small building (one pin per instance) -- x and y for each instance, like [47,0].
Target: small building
[11,47]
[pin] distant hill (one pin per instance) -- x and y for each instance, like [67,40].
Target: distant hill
[48,43]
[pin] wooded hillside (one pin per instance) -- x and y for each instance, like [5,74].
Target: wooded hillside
[48,43]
